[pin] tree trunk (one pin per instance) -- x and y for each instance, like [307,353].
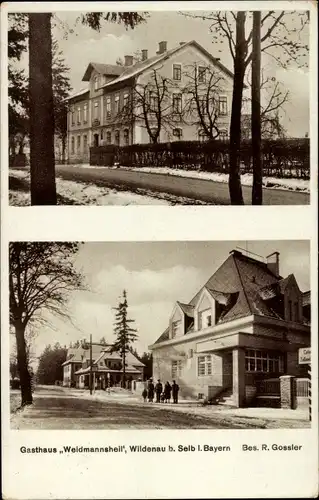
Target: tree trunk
[257,192]
[43,188]
[25,379]
[124,373]
[235,190]
[63,140]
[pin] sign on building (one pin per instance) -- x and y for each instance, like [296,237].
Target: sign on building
[305,356]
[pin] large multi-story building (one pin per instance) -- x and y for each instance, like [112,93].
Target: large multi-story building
[239,335]
[186,89]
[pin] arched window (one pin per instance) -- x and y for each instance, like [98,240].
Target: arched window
[72,145]
[117,137]
[126,137]
[96,83]
[108,137]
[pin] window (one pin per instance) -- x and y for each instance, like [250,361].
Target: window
[175,328]
[78,143]
[177,71]
[202,137]
[85,143]
[177,103]
[201,74]
[263,361]
[108,137]
[96,83]
[178,132]
[289,310]
[153,101]
[125,102]
[126,137]
[102,135]
[204,319]
[79,115]
[204,365]
[96,110]
[72,145]
[177,368]
[108,107]
[117,104]
[117,137]
[85,113]
[296,306]
[223,135]
[72,116]
[223,105]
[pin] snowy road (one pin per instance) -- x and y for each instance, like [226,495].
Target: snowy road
[198,189]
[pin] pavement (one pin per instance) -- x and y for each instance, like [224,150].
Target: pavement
[215,193]
[61,408]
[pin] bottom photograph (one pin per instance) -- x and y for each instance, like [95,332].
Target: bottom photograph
[160,335]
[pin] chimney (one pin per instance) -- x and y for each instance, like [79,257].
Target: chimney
[273,263]
[144,54]
[162,47]
[128,60]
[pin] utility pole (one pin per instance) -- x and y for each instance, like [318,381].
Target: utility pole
[91,364]
[257,191]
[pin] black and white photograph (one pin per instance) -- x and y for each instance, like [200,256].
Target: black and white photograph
[160,335]
[159,107]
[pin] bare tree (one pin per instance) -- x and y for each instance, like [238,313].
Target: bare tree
[151,106]
[274,96]
[202,101]
[41,278]
[282,43]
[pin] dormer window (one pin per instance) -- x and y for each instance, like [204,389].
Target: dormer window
[204,319]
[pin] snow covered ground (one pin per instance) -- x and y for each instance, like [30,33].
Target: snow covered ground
[246,179]
[80,193]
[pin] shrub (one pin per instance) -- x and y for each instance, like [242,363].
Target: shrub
[281,158]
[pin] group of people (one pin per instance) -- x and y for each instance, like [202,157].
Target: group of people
[163,395]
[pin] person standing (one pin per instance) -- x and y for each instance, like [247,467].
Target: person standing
[175,389]
[158,390]
[144,394]
[150,391]
[167,392]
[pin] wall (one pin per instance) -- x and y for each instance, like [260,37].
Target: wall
[190,383]
[186,57]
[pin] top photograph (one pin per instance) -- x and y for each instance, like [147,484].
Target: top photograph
[159,108]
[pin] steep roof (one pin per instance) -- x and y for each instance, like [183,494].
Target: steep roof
[138,68]
[237,284]
[80,93]
[187,309]
[103,69]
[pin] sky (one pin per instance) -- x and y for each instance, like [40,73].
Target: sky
[85,45]
[155,275]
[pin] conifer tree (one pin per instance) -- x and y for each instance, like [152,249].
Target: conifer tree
[125,334]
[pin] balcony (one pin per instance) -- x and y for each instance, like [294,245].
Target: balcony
[96,122]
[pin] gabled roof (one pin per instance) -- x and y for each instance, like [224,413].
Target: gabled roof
[138,68]
[80,93]
[187,309]
[237,284]
[103,69]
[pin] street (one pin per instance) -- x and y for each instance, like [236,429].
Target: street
[58,408]
[215,193]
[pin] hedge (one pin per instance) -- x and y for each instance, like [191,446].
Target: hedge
[281,158]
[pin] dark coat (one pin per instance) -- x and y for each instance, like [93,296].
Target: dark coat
[158,388]
[167,391]
[150,390]
[175,389]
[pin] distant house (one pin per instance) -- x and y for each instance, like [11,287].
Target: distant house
[96,113]
[242,328]
[107,367]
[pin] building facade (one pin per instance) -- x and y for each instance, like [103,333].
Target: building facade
[107,368]
[243,327]
[110,109]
